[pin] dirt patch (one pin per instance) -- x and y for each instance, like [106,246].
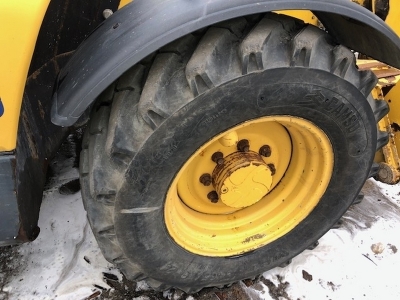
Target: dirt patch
[123,289]
[277,292]
[307,276]
[9,265]
[393,248]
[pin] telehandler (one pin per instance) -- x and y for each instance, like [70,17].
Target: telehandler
[222,138]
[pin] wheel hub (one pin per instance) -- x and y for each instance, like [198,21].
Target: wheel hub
[242,180]
[248,186]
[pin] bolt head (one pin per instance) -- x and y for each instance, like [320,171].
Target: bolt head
[243,146]
[218,158]
[213,196]
[265,151]
[206,179]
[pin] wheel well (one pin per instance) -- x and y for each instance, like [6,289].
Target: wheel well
[135,35]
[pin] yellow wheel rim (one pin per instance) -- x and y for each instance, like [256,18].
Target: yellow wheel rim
[228,199]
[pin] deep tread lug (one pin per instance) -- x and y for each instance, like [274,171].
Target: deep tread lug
[102,179]
[307,46]
[344,61]
[172,83]
[368,81]
[100,120]
[285,264]
[313,245]
[121,137]
[251,48]
[235,26]
[107,232]
[374,170]
[157,285]
[84,162]
[379,107]
[107,199]
[358,199]
[382,139]
[132,80]
[107,95]
[338,224]
[214,61]
[183,47]
[85,139]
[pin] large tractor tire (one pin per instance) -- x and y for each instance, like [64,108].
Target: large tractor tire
[228,152]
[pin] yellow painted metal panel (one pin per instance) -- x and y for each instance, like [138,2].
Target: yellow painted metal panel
[305,15]
[20,22]
[393,98]
[393,17]
[123,3]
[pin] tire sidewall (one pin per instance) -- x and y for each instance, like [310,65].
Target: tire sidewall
[328,101]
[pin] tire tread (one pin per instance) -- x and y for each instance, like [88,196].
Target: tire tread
[131,109]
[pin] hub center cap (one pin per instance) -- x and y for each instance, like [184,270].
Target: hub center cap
[242,180]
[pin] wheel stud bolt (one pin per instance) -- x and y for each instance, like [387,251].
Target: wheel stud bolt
[213,196]
[265,151]
[272,168]
[243,146]
[205,179]
[218,158]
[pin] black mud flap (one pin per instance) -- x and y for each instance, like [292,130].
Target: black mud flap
[9,215]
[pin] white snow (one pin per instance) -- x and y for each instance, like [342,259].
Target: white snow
[54,264]
[65,262]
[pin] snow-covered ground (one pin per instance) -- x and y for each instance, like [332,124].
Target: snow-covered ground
[358,261]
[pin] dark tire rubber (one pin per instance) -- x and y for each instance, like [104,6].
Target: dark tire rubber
[147,124]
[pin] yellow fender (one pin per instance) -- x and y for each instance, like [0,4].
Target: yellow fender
[20,23]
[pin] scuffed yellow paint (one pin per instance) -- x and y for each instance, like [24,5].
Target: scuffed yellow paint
[123,3]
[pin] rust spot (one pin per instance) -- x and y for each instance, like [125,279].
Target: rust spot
[252,238]
[395,127]
[24,237]
[41,110]
[272,168]
[29,136]
[94,295]
[35,74]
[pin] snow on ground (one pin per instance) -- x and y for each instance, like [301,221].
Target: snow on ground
[64,261]
[357,261]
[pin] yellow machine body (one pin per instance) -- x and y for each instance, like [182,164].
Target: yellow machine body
[20,24]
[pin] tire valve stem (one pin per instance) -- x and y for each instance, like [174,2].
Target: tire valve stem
[265,151]
[213,196]
[205,179]
[272,168]
[243,146]
[218,158]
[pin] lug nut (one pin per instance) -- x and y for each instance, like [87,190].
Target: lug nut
[213,196]
[218,158]
[272,168]
[205,179]
[265,151]
[243,146]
